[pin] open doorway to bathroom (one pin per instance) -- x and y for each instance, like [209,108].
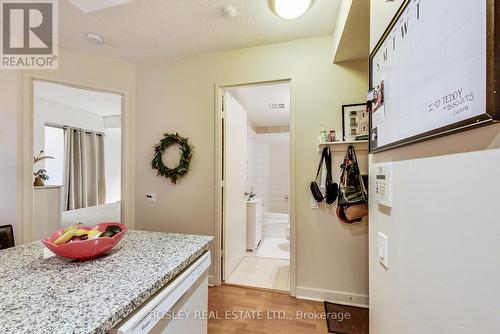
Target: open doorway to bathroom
[256,185]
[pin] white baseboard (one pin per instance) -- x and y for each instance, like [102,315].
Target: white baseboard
[338,297]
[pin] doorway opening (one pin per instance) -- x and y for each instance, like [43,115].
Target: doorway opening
[77,137]
[255,163]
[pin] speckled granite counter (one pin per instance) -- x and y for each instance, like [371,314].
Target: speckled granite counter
[52,295]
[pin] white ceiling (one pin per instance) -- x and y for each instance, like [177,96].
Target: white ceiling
[100,103]
[145,31]
[88,6]
[256,100]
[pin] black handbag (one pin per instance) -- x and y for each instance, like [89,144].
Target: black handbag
[331,187]
[352,188]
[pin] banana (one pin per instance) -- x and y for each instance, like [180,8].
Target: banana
[80,232]
[70,227]
[66,236]
[74,231]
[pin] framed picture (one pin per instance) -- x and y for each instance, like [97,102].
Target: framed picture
[332,136]
[355,122]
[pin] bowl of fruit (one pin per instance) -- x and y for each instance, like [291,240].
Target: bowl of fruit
[85,242]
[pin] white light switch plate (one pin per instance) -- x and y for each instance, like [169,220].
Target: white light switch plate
[383,252]
[151,197]
[314,204]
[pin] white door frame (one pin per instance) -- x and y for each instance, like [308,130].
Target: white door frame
[219,200]
[24,180]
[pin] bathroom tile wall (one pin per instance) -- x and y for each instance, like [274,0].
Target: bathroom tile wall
[269,170]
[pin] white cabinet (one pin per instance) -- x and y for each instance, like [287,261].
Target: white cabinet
[177,308]
[254,223]
[46,210]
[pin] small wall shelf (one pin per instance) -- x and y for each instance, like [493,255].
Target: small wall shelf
[342,145]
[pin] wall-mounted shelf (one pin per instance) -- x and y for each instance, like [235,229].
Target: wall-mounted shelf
[344,142]
[359,145]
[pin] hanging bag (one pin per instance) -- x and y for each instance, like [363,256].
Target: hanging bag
[315,189]
[331,187]
[352,189]
[353,197]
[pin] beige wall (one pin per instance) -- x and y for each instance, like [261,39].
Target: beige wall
[8,140]
[81,69]
[179,97]
[443,231]
[381,14]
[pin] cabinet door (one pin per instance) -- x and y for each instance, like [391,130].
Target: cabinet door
[46,211]
[250,226]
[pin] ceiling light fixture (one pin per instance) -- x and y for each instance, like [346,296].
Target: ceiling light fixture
[95,38]
[290,9]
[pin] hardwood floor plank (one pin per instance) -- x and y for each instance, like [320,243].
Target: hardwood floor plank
[248,311]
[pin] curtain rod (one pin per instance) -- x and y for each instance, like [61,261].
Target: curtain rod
[64,127]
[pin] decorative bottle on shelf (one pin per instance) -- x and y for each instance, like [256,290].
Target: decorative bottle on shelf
[252,193]
[323,136]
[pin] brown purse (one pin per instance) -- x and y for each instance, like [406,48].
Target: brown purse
[356,212]
[352,214]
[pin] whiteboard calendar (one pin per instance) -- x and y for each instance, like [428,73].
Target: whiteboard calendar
[429,71]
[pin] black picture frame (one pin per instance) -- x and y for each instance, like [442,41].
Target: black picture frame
[491,114]
[345,108]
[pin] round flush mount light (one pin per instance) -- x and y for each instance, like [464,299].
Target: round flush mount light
[290,9]
[95,38]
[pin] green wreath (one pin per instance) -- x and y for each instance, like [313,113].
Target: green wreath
[186,155]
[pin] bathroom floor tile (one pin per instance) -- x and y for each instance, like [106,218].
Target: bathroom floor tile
[262,272]
[275,248]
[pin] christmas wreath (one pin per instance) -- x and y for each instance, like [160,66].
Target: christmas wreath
[185,159]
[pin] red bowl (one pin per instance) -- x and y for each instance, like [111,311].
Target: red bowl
[85,249]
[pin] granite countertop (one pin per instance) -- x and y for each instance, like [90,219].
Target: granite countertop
[54,295]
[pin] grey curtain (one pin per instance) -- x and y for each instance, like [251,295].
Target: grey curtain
[84,182]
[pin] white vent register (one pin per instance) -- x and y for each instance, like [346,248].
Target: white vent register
[277,106]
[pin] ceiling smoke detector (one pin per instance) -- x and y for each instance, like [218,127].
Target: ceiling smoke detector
[95,38]
[228,11]
[276,106]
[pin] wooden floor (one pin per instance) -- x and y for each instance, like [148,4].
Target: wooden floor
[237,310]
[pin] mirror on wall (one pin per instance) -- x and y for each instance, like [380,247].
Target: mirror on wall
[77,144]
